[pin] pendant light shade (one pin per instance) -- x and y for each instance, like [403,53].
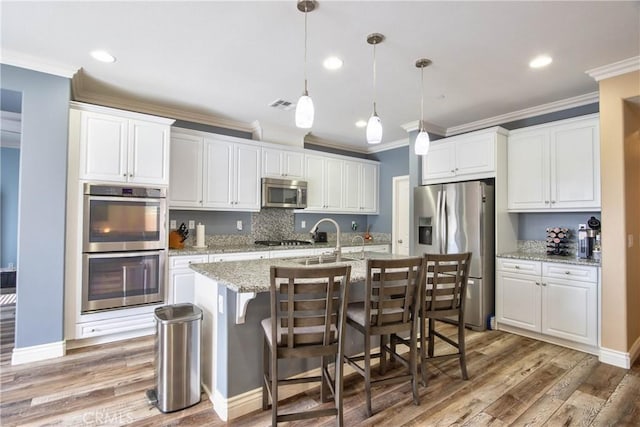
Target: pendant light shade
[304,108]
[422,143]
[374,125]
[374,129]
[421,146]
[304,112]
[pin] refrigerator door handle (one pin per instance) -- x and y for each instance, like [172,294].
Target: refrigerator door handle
[444,226]
[437,221]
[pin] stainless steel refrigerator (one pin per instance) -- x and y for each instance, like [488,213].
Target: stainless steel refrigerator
[455,218]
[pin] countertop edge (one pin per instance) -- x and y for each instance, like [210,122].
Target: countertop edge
[542,257]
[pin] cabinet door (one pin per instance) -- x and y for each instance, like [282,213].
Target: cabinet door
[333,184]
[103,147]
[246,178]
[218,170]
[439,163]
[352,186]
[314,174]
[185,184]
[570,310]
[182,286]
[293,164]
[148,153]
[518,300]
[272,163]
[528,171]
[369,188]
[575,166]
[475,155]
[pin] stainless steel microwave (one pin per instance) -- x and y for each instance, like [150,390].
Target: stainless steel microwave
[284,193]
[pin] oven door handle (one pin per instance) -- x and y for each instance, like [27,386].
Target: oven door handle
[124,281]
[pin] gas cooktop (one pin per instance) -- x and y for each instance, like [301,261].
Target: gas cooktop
[282,242]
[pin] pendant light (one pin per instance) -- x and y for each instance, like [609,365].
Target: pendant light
[304,107]
[421,146]
[374,125]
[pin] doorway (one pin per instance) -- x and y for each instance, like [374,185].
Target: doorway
[401,215]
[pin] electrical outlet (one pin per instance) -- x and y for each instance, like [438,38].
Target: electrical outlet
[172,224]
[192,224]
[303,224]
[239,225]
[220,304]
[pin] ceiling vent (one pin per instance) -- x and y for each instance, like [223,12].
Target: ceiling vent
[283,105]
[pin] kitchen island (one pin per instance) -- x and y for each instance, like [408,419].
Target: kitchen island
[234,297]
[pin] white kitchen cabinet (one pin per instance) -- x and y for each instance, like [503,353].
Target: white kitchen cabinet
[239,256]
[462,157]
[181,278]
[551,299]
[283,164]
[232,179]
[360,187]
[124,147]
[555,166]
[324,176]
[213,172]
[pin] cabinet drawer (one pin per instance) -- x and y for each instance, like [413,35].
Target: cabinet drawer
[239,256]
[114,326]
[570,272]
[519,266]
[184,261]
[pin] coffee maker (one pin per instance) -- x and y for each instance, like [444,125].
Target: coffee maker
[589,238]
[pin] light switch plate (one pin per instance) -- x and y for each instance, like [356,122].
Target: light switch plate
[239,224]
[192,224]
[172,224]
[303,224]
[220,304]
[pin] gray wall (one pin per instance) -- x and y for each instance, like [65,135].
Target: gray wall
[41,231]
[533,226]
[392,163]
[215,222]
[9,169]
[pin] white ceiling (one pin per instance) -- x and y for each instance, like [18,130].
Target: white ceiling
[231,59]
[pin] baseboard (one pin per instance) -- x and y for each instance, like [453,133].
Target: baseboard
[37,353]
[615,357]
[550,339]
[244,403]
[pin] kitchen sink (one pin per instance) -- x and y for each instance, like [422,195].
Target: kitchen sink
[323,259]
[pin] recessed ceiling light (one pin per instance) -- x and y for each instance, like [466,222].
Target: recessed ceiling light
[361,123]
[103,56]
[540,61]
[332,63]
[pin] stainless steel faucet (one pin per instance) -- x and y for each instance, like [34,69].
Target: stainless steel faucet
[338,250]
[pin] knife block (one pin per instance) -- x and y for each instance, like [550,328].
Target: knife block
[175,240]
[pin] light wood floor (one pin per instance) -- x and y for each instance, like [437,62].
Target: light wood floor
[513,381]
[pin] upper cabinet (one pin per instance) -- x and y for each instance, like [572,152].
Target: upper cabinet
[324,177]
[338,184]
[283,164]
[555,166]
[213,172]
[462,157]
[125,147]
[360,187]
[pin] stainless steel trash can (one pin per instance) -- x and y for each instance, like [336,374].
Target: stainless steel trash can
[177,356]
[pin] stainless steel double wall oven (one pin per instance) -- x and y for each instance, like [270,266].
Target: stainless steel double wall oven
[124,236]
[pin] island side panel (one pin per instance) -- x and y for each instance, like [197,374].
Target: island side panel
[205,297]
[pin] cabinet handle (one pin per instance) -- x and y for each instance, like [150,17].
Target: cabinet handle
[553,201]
[130,175]
[517,267]
[567,272]
[399,240]
[456,169]
[546,201]
[124,174]
[538,283]
[544,284]
[452,170]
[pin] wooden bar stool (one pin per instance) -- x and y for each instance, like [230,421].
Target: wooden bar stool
[390,308]
[308,308]
[443,299]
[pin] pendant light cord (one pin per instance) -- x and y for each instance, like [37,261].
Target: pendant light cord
[305,51]
[421,98]
[374,79]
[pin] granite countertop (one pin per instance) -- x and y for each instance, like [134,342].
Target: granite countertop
[253,275]
[542,256]
[220,249]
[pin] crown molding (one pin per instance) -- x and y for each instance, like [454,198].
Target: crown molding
[312,139]
[388,146]
[80,93]
[615,69]
[30,62]
[429,127]
[552,107]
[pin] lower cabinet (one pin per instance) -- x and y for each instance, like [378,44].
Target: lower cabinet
[552,299]
[181,278]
